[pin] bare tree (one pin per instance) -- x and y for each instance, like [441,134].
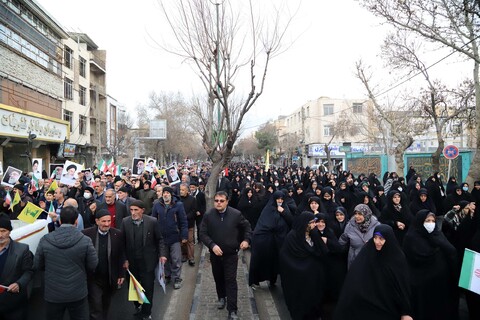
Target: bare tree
[398,123]
[448,23]
[228,53]
[121,141]
[247,149]
[437,104]
[182,138]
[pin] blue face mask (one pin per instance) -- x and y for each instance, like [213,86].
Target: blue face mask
[465,189]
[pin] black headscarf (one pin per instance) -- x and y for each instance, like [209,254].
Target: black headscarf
[377,285]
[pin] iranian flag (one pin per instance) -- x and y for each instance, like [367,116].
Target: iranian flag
[470,275]
[102,166]
[111,167]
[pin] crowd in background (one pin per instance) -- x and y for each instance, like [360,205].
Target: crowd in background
[319,231]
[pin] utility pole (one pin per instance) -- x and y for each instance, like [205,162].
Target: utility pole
[303,138]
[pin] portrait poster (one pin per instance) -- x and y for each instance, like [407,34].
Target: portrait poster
[37,165]
[11,176]
[138,165]
[172,176]
[56,171]
[151,165]
[70,173]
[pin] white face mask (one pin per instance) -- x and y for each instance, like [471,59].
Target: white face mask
[465,189]
[276,184]
[400,189]
[429,226]
[87,195]
[356,183]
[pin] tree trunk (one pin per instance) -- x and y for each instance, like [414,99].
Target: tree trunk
[473,173]
[436,155]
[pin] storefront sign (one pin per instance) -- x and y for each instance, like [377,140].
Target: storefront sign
[18,123]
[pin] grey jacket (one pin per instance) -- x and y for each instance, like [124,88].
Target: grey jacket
[66,255]
[355,239]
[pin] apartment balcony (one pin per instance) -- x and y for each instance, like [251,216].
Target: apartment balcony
[95,87]
[97,62]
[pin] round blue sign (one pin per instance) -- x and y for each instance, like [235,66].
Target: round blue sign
[450,152]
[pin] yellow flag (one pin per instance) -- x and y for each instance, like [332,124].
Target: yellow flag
[53,186]
[132,293]
[15,201]
[267,160]
[162,172]
[30,213]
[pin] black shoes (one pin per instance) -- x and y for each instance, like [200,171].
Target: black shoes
[221,303]
[191,262]
[232,316]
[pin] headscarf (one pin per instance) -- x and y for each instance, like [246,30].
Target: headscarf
[366,212]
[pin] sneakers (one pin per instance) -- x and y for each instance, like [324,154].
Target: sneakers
[221,303]
[177,284]
[232,316]
[191,262]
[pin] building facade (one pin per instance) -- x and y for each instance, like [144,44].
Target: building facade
[53,96]
[341,124]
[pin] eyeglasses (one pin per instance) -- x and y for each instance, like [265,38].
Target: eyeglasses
[220,200]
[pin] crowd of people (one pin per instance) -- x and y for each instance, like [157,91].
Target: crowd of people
[343,246]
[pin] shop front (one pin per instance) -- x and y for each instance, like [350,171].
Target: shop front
[26,135]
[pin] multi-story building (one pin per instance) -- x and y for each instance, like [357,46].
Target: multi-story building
[341,124]
[31,85]
[53,97]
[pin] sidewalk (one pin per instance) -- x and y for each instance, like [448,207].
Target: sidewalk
[204,303]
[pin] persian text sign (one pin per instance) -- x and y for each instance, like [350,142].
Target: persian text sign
[20,124]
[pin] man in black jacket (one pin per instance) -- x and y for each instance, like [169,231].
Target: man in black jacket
[67,256]
[109,274]
[144,250]
[16,270]
[201,205]
[221,229]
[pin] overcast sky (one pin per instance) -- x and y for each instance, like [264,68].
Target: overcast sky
[332,35]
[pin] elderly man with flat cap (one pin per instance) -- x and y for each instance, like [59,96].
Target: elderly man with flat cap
[109,274]
[144,250]
[16,270]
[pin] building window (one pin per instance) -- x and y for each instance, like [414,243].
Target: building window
[83,67]
[83,95]
[357,108]
[68,57]
[68,89]
[82,125]
[68,116]
[327,109]
[328,131]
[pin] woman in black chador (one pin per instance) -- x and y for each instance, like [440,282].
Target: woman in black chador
[377,285]
[302,268]
[433,270]
[270,232]
[250,205]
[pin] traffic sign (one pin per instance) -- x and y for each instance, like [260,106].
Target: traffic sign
[450,152]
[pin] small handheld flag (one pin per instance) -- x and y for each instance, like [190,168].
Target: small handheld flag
[30,213]
[136,291]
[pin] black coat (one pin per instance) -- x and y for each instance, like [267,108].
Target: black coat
[377,283]
[153,244]
[434,277]
[391,216]
[268,236]
[18,268]
[116,253]
[302,269]
[250,207]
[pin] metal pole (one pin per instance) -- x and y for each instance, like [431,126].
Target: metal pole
[449,167]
